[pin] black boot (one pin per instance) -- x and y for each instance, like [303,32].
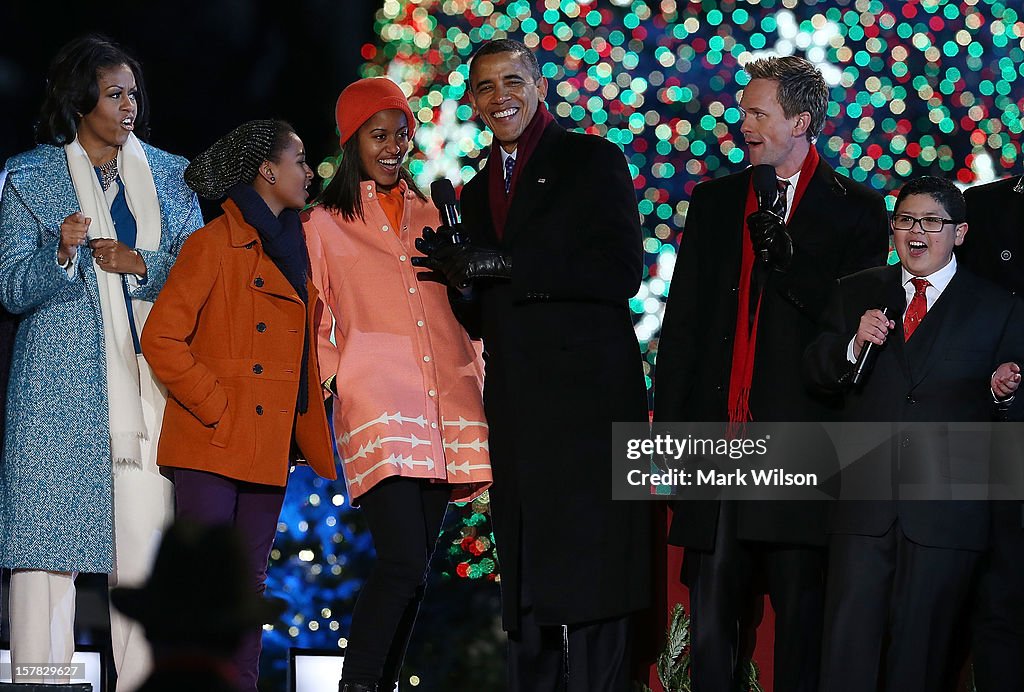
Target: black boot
[356,687]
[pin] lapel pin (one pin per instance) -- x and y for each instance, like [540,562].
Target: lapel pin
[542,180]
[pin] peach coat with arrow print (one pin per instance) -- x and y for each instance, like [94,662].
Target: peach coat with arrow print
[408,377]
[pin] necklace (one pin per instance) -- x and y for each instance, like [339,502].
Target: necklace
[108,173]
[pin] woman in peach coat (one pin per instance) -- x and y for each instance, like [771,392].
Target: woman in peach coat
[408,413]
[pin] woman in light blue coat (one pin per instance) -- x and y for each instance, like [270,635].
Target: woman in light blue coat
[90,223]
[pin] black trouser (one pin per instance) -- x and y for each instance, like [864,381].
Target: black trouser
[722,587]
[892,600]
[404,516]
[999,608]
[583,657]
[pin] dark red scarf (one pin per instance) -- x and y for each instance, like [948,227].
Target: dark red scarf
[744,345]
[500,202]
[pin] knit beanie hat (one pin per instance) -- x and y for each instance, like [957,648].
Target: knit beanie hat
[361,100]
[234,158]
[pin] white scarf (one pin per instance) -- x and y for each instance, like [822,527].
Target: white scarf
[129,379]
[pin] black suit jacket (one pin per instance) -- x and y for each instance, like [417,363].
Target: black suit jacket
[994,249]
[994,244]
[563,363]
[940,375]
[838,227]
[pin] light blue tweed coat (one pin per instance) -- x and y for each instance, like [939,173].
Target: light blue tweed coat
[56,488]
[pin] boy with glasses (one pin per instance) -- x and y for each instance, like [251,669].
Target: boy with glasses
[900,569]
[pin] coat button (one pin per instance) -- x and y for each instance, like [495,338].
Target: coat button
[259,410]
[911,399]
[261,327]
[259,282]
[1005,255]
[258,369]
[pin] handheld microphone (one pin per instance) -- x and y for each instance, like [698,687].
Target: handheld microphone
[766,186]
[866,354]
[442,193]
[766,189]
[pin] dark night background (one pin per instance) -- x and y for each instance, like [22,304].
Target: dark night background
[209,65]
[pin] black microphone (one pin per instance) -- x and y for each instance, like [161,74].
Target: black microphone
[766,189]
[442,193]
[766,186]
[866,354]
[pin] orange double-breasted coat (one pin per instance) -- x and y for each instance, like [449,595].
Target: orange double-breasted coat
[225,338]
[408,377]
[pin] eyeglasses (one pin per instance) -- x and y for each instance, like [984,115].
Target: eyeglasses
[929,224]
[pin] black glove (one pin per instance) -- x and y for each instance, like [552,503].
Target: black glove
[469,263]
[431,243]
[770,239]
[460,262]
[438,248]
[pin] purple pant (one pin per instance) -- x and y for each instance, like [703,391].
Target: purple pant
[253,509]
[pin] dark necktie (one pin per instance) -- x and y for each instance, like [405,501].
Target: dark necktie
[758,276]
[917,309]
[510,164]
[780,202]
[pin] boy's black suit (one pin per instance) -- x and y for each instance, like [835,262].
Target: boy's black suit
[940,375]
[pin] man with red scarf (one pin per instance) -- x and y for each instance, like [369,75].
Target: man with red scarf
[746,295]
[554,257]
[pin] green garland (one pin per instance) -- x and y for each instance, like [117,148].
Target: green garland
[674,661]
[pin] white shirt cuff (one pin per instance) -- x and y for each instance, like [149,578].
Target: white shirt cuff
[70,267]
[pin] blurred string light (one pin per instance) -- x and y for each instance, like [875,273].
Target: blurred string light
[917,86]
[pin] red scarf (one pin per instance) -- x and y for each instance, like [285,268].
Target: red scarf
[500,202]
[742,373]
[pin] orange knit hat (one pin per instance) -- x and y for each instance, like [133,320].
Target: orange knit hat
[361,100]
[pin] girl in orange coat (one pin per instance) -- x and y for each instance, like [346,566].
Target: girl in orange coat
[232,337]
[408,414]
